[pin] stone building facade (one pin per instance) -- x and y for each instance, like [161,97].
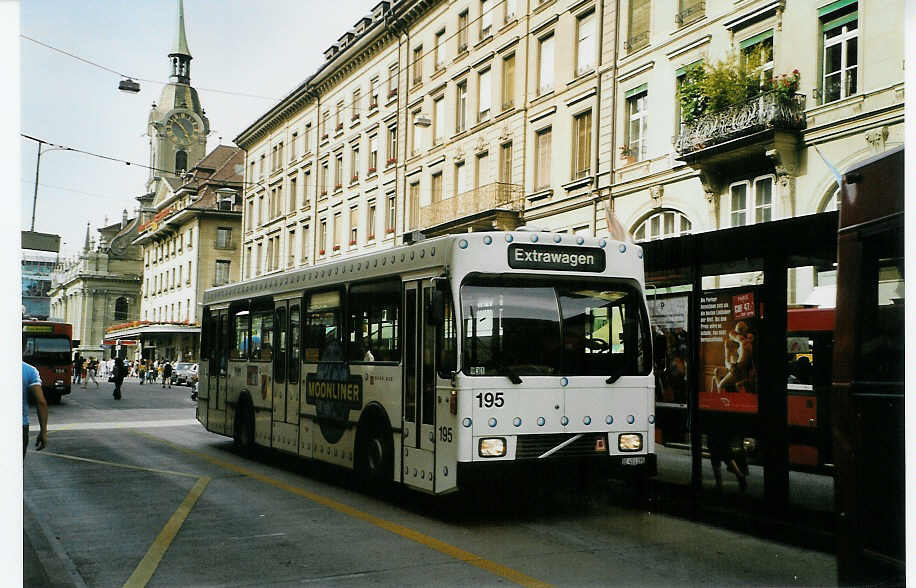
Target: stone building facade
[99,287]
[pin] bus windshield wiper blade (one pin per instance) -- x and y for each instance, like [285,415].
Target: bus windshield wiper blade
[615,376]
[504,370]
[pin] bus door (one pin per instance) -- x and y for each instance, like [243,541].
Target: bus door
[293,363]
[278,414]
[419,390]
[217,371]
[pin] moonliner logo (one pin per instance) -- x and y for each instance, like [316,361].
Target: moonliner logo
[334,392]
[549,257]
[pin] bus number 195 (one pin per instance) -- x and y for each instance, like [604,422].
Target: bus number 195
[489,400]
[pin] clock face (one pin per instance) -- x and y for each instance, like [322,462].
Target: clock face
[182,128]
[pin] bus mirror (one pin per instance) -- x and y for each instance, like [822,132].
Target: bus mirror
[435,314]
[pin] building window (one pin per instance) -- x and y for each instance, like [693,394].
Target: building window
[438,56]
[436,187]
[188,281]
[393,80]
[223,237]
[294,138]
[338,117]
[840,37]
[221,275]
[354,105]
[510,9]
[280,155]
[373,154]
[542,159]
[392,146]
[354,164]
[486,18]
[637,118]
[508,89]
[338,171]
[306,138]
[585,43]
[248,263]
[638,25]
[413,203]
[463,31]
[751,202]
[120,311]
[354,226]
[251,218]
[304,237]
[258,259]
[262,210]
[505,163]
[306,183]
[545,65]
[690,11]
[483,95]
[438,120]
[461,106]
[418,65]
[292,194]
[270,254]
[661,225]
[325,179]
[373,93]
[181,161]
[461,180]
[324,124]
[390,218]
[291,248]
[582,145]
[261,165]
[322,237]
[370,220]
[482,173]
[757,54]
[338,230]
[415,146]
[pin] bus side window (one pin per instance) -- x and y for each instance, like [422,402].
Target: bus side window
[241,324]
[373,321]
[322,328]
[447,343]
[293,359]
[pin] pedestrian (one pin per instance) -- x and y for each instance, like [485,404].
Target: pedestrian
[117,377]
[167,374]
[77,367]
[141,370]
[31,384]
[721,450]
[91,372]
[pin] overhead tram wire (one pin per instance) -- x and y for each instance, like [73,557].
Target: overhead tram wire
[150,81]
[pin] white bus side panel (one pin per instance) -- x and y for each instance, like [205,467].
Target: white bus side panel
[446,436]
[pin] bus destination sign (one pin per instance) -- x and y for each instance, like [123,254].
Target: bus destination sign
[551,257]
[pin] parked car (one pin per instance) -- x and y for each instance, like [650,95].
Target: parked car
[184,373]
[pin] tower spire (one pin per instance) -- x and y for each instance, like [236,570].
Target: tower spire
[86,245]
[180,55]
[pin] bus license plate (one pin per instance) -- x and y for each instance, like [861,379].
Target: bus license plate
[634,460]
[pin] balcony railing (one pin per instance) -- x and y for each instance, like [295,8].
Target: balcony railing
[636,41]
[690,14]
[486,197]
[770,111]
[226,245]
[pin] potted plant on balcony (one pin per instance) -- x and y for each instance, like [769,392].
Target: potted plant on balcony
[391,160]
[354,179]
[392,93]
[339,127]
[372,170]
[628,154]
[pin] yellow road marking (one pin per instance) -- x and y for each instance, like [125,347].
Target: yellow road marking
[117,465]
[150,561]
[408,533]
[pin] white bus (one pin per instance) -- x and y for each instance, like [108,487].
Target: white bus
[431,362]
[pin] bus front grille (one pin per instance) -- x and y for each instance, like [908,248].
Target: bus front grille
[534,446]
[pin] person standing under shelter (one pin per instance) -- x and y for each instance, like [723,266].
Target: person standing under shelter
[77,368]
[31,384]
[118,373]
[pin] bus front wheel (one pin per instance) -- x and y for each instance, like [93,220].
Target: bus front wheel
[375,455]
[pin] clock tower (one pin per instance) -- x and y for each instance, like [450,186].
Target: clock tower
[177,125]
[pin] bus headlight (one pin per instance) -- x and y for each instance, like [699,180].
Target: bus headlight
[629,442]
[492,447]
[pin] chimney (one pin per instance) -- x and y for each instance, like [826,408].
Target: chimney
[124,218]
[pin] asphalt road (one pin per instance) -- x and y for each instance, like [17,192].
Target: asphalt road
[136,492]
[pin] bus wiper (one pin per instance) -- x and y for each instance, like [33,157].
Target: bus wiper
[615,376]
[504,370]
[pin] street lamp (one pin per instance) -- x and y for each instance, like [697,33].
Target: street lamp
[37,167]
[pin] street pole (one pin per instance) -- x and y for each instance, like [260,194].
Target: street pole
[35,195]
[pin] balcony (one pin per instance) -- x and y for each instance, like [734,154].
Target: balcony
[739,125]
[224,245]
[690,14]
[497,195]
[636,42]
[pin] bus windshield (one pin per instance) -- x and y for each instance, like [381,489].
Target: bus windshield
[48,348]
[513,328]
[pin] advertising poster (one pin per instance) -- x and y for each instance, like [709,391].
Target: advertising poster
[728,346]
[669,341]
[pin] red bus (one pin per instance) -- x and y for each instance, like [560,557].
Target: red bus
[47,345]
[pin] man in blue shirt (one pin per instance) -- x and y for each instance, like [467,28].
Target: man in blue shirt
[31,382]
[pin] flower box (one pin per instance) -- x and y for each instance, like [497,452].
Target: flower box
[392,93]
[370,237]
[352,242]
[389,230]
[324,192]
[338,186]
[336,248]
[372,170]
[339,127]
[392,160]
[354,117]
[354,179]
[324,137]
[321,252]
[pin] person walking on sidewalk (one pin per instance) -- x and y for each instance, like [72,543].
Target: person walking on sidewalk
[77,368]
[167,374]
[117,376]
[141,370]
[31,384]
[91,373]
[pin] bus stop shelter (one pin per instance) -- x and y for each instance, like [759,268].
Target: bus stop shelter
[771,247]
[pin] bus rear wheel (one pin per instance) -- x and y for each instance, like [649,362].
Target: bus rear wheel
[243,429]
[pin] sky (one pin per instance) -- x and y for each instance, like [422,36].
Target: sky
[264,48]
